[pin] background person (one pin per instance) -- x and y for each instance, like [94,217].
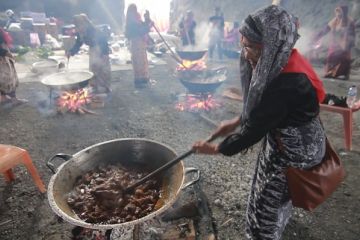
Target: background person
[216,33]
[136,31]
[187,29]
[281,104]
[342,39]
[8,77]
[11,18]
[99,62]
[232,39]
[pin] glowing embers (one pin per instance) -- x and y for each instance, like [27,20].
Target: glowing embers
[196,102]
[187,65]
[74,101]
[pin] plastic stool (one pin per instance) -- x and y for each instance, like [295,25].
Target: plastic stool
[11,156]
[347,114]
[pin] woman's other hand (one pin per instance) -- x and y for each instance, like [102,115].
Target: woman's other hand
[205,148]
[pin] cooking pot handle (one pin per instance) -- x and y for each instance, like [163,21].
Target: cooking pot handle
[51,166]
[197,178]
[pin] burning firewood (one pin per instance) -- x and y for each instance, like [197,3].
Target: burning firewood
[75,101]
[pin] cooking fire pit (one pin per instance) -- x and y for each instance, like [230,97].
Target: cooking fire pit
[201,83]
[70,90]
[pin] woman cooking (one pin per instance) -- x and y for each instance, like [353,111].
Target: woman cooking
[137,31]
[97,41]
[281,104]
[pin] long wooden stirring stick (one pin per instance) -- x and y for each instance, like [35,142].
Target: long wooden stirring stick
[167,45]
[164,167]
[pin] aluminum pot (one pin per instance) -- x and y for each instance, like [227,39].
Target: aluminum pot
[142,153]
[68,80]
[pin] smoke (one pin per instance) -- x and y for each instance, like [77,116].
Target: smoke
[202,31]
[306,43]
[73,2]
[43,103]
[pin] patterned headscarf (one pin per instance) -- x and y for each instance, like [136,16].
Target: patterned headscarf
[276,31]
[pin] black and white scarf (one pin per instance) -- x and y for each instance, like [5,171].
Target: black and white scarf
[276,30]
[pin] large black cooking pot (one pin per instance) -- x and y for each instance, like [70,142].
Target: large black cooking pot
[141,153]
[191,55]
[202,81]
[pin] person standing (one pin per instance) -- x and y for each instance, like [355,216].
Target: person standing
[11,18]
[8,77]
[342,30]
[187,29]
[216,33]
[136,31]
[281,105]
[99,62]
[232,39]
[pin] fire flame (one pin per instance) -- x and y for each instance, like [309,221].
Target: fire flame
[197,65]
[194,103]
[73,101]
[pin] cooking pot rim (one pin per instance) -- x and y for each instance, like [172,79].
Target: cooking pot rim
[79,222]
[52,84]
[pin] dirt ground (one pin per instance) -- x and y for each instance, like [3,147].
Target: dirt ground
[150,113]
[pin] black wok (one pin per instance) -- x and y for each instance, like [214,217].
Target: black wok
[191,55]
[202,82]
[201,87]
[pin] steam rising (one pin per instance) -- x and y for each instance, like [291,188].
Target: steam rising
[306,43]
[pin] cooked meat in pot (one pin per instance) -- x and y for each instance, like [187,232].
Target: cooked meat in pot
[98,197]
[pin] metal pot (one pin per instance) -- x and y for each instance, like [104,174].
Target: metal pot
[68,80]
[191,55]
[202,82]
[142,153]
[45,66]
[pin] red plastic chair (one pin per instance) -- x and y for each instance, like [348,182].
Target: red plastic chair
[11,156]
[347,114]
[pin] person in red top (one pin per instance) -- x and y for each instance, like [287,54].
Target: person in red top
[281,101]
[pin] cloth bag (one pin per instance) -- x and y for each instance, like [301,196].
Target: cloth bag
[309,188]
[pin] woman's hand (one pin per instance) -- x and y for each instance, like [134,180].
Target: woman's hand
[226,127]
[205,148]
